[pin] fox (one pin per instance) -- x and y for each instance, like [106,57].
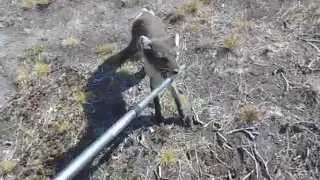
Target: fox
[160,53]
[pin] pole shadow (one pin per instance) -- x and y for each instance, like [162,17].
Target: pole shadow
[103,110]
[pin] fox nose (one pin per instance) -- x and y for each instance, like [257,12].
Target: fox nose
[175,71]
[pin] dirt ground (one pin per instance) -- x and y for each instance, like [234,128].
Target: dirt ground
[252,76]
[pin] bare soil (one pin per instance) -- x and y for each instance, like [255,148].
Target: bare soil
[253,77]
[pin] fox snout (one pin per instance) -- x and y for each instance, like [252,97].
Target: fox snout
[175,71]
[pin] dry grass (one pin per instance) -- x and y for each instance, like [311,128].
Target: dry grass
[42,69]
[285,145]
[70,41]
[195,27]
[7,166]
[168,157]
[106,50]
[28,4]
[249,113]
[22,76]
[231,41]
[244,24]
[191,7]
[62,126]
[41,136]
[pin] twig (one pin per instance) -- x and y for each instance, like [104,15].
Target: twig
[141,140]
[179,173]
[229,175]
[314,46]
[219,160]
[262,163]
[196,117]
[249,131]
[199,168]
[254,159]
[156,174]
[312,40]
[286,81]
[159,171]
[207,124]
[224,143]
[247,176]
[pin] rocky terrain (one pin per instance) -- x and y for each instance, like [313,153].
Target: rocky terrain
[252,76]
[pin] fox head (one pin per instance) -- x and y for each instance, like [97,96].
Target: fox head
[162,54]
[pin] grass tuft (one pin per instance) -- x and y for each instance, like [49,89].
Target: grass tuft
[70,41]
[104,51]
[249,113]
[42,2]
[205,1]
[42,69]
[28,4]
[167,157]
[231,41]
[191,7]
[62,126]
[80,97]
[7,166]
[22,76]
[243,24]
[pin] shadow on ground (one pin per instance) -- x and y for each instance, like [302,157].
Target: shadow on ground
[104,108]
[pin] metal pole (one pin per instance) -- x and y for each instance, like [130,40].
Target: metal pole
[88,154]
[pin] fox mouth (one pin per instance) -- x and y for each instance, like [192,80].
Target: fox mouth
[165,72]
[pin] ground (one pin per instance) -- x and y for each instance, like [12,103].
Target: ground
[252,75]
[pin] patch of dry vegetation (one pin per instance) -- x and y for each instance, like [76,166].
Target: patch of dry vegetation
[249,113]
[167,157]
[28,4]
[104,51]
[70,41]
[277,139]
[49,120]
[42,69]
[244,142]
[190,7]
[7,166]
[231,41]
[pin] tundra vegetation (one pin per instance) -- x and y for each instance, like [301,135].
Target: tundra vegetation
[252,75]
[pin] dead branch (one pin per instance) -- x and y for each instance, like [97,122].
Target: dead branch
[249,131]
[263,163]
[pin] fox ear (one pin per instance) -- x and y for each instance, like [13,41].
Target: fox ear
[145,42]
